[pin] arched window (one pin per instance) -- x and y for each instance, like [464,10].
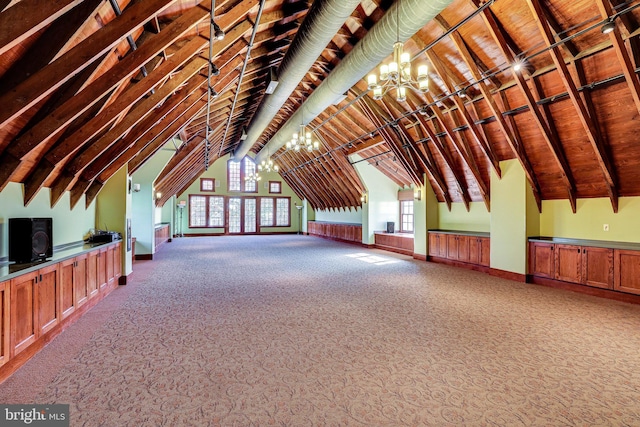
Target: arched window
[236,172]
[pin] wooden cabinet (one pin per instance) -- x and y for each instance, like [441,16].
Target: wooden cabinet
[67,297]
[23,319]
[102,269]
[4,322]
[395,242]
[336,231]
[479,250]
[574,263]
[542,260]
[568,263]
[47,299]
[467,248]
[597,267]
[627,271]
[117,261]
[80,287]
[111,256]
[92,273]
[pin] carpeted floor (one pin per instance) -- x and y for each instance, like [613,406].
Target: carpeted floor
[297,331]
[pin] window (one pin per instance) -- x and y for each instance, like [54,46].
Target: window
[249,167]
[275,187]
[282,212]
[206,211]
[233,171]
[207,184]
[266,212]
[275,212]
[406,216]
[197,211]
[237,171]
[216,211]
[235,221]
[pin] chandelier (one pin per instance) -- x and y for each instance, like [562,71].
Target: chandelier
[302,140]
[268,166]
[397,74]
[252,177]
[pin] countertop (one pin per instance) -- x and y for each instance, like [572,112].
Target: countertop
[583,242]
[462,233]
[10,270]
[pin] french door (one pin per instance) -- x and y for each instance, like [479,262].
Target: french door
[242,215]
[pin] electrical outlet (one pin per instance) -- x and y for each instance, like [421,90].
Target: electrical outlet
[605,227]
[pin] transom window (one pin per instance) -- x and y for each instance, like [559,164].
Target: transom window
[236,173]
[207,184]
[275,187]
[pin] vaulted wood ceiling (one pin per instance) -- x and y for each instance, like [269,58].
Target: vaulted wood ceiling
[89,86]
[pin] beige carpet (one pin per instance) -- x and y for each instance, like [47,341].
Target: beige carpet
[297,331]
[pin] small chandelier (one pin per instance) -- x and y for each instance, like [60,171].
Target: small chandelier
[268,166]
[397,74]
[252,177]
[302,140]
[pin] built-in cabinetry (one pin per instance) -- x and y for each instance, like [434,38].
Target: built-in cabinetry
[162,235]
[36,299]
[337,231]
[608,265]
[466,247]
[396,242]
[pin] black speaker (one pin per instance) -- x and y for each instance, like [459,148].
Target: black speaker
[390,226]
[30,239]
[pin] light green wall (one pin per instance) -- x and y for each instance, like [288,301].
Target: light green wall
[69,225]
[145,213]
[218,171]
[113,207]
[512,218]
[353,216]
[477,219]
[382,200]
[558,220]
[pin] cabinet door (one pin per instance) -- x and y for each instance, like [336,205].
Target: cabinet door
[102,269]
[81,293]
[485,251]
[4,322]
[463,248]
[627,271]
[48,297]
[92,273]
[452,246]
[475,250]
[433,244]
[110,266]
[67,270]
[24,329]
[597,267]
[442,245]
[541,259]
[568,263]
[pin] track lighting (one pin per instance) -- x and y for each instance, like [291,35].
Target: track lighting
[217,31]
[213,92]
[608,26]
[215,71]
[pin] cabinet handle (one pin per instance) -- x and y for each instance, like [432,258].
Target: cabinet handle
[578,250]
[40,280]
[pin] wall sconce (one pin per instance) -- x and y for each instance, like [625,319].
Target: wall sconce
[417,194]
[158,195]
[136,188]
[363,198]
[182,204]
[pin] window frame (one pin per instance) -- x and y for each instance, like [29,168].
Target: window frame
[275,212]
[279,183]
[206,211]
[412,214]
[242,182]
[213,185]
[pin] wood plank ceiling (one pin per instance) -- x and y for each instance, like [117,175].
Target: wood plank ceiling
[89,86]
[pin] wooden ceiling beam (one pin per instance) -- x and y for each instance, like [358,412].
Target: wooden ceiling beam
[554,146]
[444,153]
[623,55]
[52,76]
[27,17]
[606,166]
[75,106]
[514,143]
[440,69]
[461,149]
